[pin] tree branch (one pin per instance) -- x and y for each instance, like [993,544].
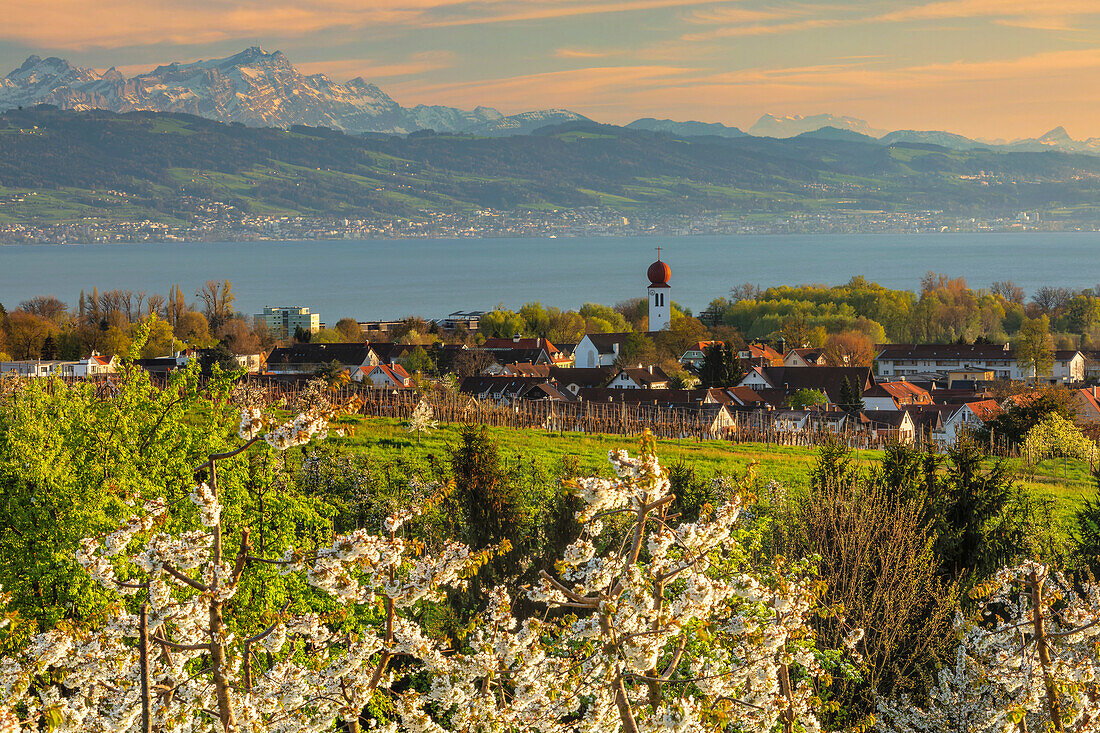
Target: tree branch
[184,579]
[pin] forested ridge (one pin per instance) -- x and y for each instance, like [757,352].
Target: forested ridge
[157,157]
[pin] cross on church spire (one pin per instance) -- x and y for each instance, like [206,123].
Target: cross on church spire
[658,254]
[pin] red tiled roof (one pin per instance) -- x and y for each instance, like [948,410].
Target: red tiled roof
[394,372]
[762,351]
[985,410]
[901,391]
[1090,398]
[523,343]
[527,369]
[1024,398]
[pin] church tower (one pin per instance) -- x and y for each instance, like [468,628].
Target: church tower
[660,302]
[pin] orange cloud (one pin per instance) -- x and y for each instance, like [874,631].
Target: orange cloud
[577,53]
[1052,15]
[739,31]
[949,9]
[715,16]
[74,24]
[78,24]
[543,11]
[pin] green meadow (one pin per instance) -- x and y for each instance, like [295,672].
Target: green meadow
[1064,485]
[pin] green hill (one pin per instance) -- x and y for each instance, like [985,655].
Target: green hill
[157,166]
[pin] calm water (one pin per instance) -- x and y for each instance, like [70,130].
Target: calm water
[432,277]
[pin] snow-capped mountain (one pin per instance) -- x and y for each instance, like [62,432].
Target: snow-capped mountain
[525,122]
[253,87]
[791,125]
[1056,139]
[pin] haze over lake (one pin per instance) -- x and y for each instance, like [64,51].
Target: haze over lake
[433,277]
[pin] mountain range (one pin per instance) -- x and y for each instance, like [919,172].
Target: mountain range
[832,127]
[77,166]
[256,88]
[261,89]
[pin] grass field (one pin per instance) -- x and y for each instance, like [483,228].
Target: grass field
[1067,485]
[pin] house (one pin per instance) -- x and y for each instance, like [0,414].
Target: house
[38,368]
[95,365]
[790,421]
[826,421]
[639,378]
[895,395]
[468,320]
[694,357]
[970,379]
[1086,403]
[644,396]
[161,365]
[1023,399]
[526,370]
[969,416]
[598,349]
[760,355]
[251,363]
[389,376]
[736,397]
[550,354]
[776,383]
[805,357]
[503,389]
[544,392]
[1068,366]
[391,352]
[574,379]
[506,390]
[717,420]
[928,419]
[518,356]
[308,358]
[895,425]
[380,326]
[1092,366]
[567,352]
[901,359]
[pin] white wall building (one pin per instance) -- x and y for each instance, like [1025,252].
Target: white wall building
[896,360]
[1068,366]
[969,416]
[284,320]
[598,349]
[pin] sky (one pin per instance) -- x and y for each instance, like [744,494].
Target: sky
[983,68]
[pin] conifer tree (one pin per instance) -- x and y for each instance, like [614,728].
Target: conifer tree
[734,370]
[713,369]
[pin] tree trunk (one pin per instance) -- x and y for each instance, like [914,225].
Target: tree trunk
[217,627]
[787,714]
[143,652]
[623,704]
[1054,709]
[217,665]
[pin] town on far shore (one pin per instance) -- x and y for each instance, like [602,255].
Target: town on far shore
[782,388]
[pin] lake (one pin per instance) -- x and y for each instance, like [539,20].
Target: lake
[372,279]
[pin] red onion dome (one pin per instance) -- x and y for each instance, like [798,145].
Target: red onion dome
[659,273]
